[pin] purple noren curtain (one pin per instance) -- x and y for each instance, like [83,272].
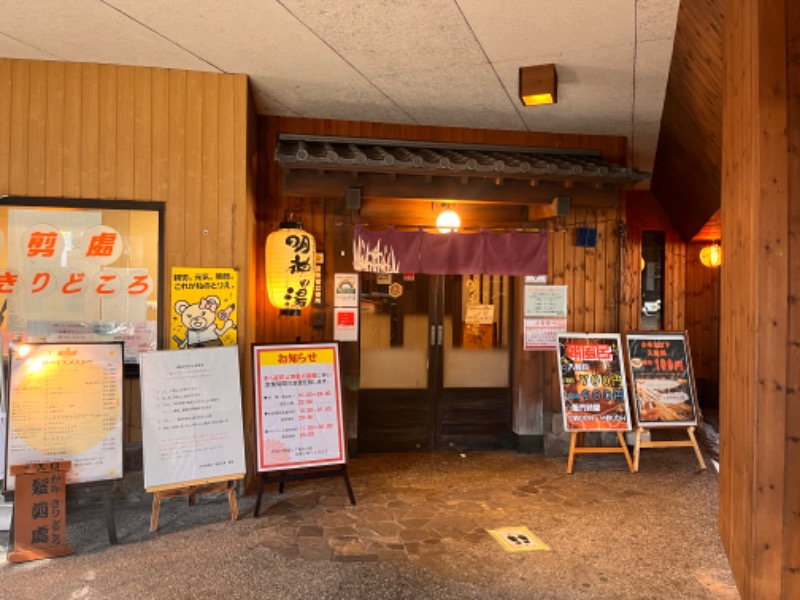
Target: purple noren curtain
[390,251]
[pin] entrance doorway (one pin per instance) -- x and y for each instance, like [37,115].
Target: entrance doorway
[435,362]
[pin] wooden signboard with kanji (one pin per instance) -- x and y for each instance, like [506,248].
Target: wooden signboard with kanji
[40,516]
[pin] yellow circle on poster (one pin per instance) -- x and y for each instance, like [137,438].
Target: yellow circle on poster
[64,408]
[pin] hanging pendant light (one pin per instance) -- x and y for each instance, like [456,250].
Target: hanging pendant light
[289,268]
[448,221]
[711,255]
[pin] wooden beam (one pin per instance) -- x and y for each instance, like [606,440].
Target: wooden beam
[379,185]
[559,207]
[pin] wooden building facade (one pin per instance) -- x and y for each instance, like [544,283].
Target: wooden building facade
[604,281]
[114,133]
[191,141]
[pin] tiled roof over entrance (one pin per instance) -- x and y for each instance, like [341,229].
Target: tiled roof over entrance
[361,155]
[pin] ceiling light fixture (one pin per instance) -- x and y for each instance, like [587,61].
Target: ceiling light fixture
[538,85]
[448,221]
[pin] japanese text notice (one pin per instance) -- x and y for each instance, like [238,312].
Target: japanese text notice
[65,403]
[191,417]
[298,406]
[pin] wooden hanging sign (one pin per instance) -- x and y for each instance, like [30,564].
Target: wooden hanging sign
[40,515]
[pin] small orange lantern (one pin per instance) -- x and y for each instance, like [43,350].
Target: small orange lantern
[711,255]
[289,268]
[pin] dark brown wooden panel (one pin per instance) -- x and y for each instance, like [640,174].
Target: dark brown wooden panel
[393,420]
[686,175]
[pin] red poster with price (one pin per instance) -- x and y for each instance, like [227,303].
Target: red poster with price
[593,390]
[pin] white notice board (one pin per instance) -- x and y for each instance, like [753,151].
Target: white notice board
[548,301]
[65,403]
[298,400]
[191,417]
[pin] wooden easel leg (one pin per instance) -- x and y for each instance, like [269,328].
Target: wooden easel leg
[156,511]
[627,454]
[349,487]
[571,460]
[637,449]
[696,448]
[232,501]
[258,497]
[111,523]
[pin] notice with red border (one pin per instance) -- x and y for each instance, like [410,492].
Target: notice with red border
[298,400]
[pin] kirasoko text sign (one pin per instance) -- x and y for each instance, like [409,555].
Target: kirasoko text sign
[593,390]
[191,417]
[661,379]
[298,406]
[65,403]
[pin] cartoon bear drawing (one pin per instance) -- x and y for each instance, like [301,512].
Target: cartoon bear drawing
[200,320]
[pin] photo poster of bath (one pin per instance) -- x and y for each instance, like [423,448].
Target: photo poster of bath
[203,307]
[661,378]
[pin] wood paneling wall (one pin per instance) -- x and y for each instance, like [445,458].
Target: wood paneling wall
[643,212]
[686,175]
[702,323]
[760,314]
[591,274]
[80,130]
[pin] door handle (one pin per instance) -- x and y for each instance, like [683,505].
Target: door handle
[441,334]
[433,335]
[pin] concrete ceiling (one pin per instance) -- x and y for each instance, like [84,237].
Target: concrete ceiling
[427,62]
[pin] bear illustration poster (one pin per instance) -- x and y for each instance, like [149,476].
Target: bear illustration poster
[203,308]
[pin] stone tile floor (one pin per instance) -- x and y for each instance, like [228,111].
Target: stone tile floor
[418,530]
[436,509]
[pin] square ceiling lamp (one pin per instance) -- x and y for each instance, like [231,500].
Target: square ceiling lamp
[538,85]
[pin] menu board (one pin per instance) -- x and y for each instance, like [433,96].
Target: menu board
[661,378]
[65,403]
[191,417]
[298,406]
[593,391]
